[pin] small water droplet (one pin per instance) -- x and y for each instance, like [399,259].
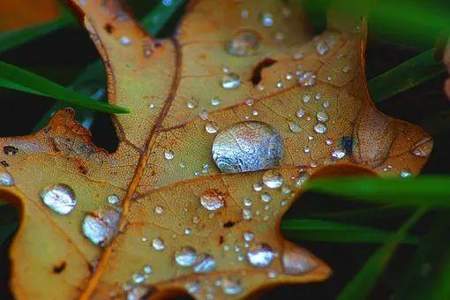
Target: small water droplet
[186,257]
[247,214]
[148,269]
[322,47]
[158,244]
[326,104]
[138,278]
[205,263]
[272,179]
[244,43]
[137,292]
[244,13]
[289,76]
[306,98]
[159,210]
[260,256]
[231,81]
[300,113]
[294,127]
[125,41]
[211,127]
[203,114]
[320,128]
[247,146]
[405,173]
[249,236]
[216,101]
[257,187]
[307,79]
[279,84]
[266,197]
[231,286]
[284,202]
[212,199]
[101,226]
[169,154]
[193,287]
[301,178]
[248,202]
[266,19]
[60,198]
[6,179]
[187,231]
[322,116]
[338,154]
[423,147]
[192,103]
[113,199]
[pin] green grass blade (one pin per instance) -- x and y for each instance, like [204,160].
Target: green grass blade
[336,232]
[362,284]
[406,75]
[160,15]
[424,190]
[15,38]
[13,77]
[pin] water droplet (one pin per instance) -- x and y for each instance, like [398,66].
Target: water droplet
[249,236]
[113,199]
[247,146]
[272,179]
[284,202]
[158,244]
[211,127]
[205,263]
[212,199]
[247,202]
[307,79]
[247,214]
[306,98]
[266,19]
[326,104]
[169,154]
[423,147]
[257,187]
[60,198]
[298,55]
[306,149]
[405,173]
[231,286]
[231,81]
[296,261]
[125,41]
[294,127]
[215,101]
[187,231]
[320,128]
[261,256]
[101,226]
[338,154]
[159,210]
[266,197]
[193,287]
[244,43]
[272,274]
[329,142]
[137,293]
[244,13]
[203,114]
[300,113]
[279,84]
[192,103]
[138,278]
[322,48]
[6,179]
[289,76]
[346,69]
[301,179]
[148,269]
[322,116]
[186,256]
[249,101]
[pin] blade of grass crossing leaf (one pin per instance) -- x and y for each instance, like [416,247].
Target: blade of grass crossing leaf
[327,231]
[423,190]
[362,284]
[92,80]
[407,75]
[15,38]
[13,77]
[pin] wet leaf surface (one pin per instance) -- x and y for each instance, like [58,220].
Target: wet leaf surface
[242,87]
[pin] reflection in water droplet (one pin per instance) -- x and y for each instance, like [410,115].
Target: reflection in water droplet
[158,244]
[320,128]
[231,286]
[6,179]
[260,256]
[272,179]
[186,257]
[244,43]
[266,19]
[212,199]
[169,154]
[247,146]
[205,263]
[101,226]
[60,198]
[231,81]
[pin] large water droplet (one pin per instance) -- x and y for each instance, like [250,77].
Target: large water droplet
[244,43]
[272,179]
[296,261]
[261,256]
[212,199]
[101,226]
[231,286]
[205,263]
[60,198]
[6,179]
[231,81]
[186,256]
[247,146]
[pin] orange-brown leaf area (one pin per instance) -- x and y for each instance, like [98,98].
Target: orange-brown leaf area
[23,13]
[186,203]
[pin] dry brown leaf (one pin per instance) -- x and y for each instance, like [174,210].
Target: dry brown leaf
[312,91]
[17,14]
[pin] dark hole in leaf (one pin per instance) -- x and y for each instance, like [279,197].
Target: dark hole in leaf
[57,269]
[228,224]
[256,76]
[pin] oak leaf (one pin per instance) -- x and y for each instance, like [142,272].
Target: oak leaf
[170,213]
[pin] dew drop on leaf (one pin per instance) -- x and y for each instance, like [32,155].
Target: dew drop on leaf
[320,128]
[60,198]
[6,179]
[231,286]
[212,199]
[247,146]
[231,81]
[244,43]
[266,19]
[260,256]
[158,244]
[272,179]
[186,257]
[101,226]
[113,199]
[205,263]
